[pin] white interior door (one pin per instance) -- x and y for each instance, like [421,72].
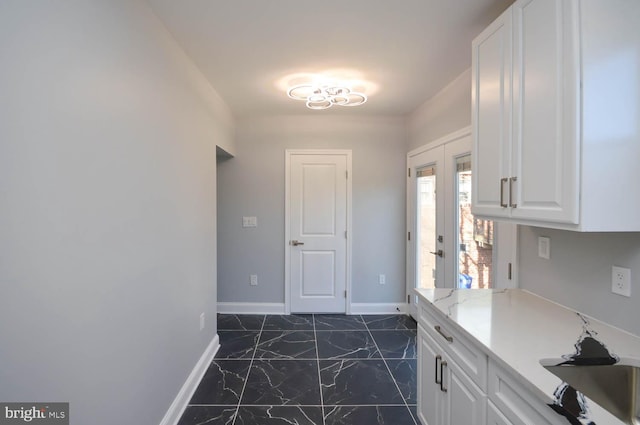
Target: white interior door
[317,216]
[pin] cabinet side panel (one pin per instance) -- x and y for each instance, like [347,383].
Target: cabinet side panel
[611,114]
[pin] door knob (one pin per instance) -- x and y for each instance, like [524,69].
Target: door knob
[439,253]
[296,243]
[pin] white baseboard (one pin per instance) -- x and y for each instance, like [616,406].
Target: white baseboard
[186,392]
[251,308]
[378,308]
[278,308]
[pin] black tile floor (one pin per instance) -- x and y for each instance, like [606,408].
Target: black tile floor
[309,370]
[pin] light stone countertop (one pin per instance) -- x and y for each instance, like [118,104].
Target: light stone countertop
[518,329]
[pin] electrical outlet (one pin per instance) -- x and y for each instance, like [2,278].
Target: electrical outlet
[382,279]
[253,280]
[544,247]
[201,321]
[621,281]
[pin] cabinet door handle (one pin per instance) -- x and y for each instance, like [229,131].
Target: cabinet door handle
[511,203]
[502,203]
[438,358]
[445,336]
[442,366]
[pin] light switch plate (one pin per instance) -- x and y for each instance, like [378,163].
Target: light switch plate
[544,247]
[249,222]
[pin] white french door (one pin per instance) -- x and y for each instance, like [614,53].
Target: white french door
[447,247]
[429,215]
[317,219]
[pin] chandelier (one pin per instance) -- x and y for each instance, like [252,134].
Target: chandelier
[326,96]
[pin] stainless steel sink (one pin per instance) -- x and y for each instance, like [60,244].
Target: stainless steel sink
[615,387]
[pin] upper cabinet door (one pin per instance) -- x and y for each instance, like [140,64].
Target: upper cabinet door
[568,86]
[491,117]
[545,157]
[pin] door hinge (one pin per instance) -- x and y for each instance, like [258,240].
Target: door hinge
[409,236]
[509,272]
[346,174]
[408,299]
[345,234]
[345,293]
[408,172]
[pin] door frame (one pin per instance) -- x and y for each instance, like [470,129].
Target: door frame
[446,209]
[288,153]
[505,233]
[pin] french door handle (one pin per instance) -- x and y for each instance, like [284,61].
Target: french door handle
[511,203]
[296,243]
[439,253]
[502,182]
[442,366]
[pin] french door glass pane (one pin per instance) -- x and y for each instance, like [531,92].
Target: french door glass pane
[426,237]
[475,239]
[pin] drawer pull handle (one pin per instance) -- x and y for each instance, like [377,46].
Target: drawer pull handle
[442,366]
[445,336]
[438,358]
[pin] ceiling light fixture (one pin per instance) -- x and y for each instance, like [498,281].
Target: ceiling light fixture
[325,96]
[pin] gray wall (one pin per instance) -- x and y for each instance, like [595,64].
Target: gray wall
[444,113]
[107,209]
[252,184]
[578,274]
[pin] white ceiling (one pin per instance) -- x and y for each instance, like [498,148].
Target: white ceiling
[406,49]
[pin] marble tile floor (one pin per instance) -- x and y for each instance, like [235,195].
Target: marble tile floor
[309,370]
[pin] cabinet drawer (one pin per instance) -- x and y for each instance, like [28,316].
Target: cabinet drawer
[516,403]
[426,317]
[459,348]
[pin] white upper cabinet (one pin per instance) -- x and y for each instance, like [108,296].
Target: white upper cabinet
[556,115]
[545,88]
[491,119]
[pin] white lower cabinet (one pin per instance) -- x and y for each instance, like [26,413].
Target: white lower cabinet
[446,395]
[430,397]
[481,393]
[515,402]
[495,416]
[466,403]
